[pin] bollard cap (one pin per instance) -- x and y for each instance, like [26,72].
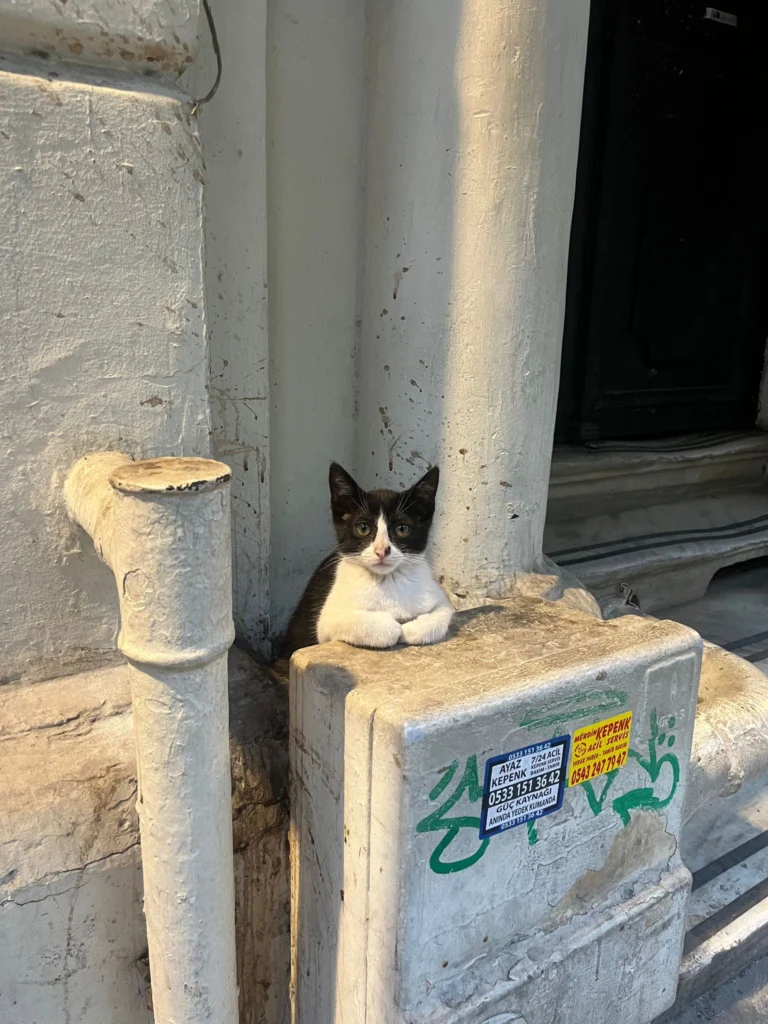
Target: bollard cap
[170,476]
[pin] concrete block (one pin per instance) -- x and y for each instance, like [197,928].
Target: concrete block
[725,799]
[402,912]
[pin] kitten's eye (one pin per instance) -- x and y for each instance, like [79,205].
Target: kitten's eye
[402,530]
[362,529]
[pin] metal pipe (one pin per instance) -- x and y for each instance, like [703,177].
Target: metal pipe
[163,527]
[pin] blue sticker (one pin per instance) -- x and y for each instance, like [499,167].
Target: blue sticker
[523,785]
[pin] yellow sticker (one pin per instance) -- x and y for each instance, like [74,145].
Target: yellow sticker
[600,748]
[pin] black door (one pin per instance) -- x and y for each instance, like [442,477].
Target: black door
[666,319]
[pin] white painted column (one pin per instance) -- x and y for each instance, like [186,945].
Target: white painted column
[473,142]
[163,526]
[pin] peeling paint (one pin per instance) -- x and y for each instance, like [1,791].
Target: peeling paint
[644,848]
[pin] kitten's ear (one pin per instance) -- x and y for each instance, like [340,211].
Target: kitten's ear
[344,490]
[423,492]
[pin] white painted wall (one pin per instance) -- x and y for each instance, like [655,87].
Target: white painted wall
[283,142]
[473,131]
[102,305]
[101,300]
[429,151]
[233,135]
[316,62]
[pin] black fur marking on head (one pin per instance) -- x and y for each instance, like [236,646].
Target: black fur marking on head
[351,506]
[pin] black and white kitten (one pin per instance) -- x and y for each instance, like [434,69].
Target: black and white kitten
[376,589]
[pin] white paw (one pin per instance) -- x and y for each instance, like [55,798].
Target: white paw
[415,632]
[380,631]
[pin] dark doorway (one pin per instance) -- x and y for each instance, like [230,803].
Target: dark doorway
[666,316]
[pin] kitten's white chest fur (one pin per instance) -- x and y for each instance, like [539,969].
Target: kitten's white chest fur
[405,594]
[367,610]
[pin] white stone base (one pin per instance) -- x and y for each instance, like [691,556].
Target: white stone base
[400,911]
[622,475]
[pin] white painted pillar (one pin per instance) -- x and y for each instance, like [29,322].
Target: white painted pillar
[163,527]
[472,149]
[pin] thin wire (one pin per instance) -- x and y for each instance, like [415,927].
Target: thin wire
[219,64]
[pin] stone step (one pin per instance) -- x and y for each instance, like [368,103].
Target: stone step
[725,804]
[612,476]
[727,943]
[725,836]
[733,613]
[667,553]
[727,922]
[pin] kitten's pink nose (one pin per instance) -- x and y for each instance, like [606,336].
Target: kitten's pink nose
[381,553]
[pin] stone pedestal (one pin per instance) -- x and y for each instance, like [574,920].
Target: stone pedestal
[403,911]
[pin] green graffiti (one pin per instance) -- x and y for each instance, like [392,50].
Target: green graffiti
[641,798]
[644,797]
[596,803]
[437,822]
[590,704]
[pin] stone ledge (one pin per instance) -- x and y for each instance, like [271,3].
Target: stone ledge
[143,36]
[667,553]
[67,776]
[618,476]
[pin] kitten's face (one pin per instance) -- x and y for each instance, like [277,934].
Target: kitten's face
[382,530]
